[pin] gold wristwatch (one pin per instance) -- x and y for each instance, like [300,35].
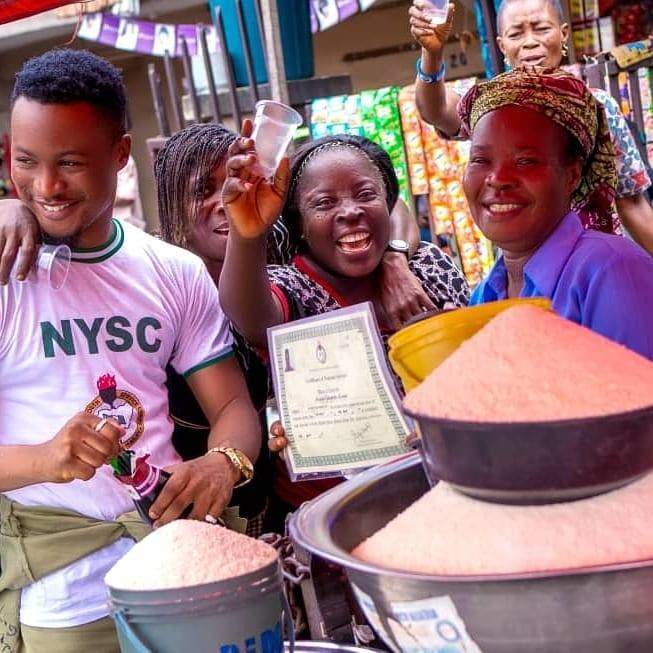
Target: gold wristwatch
[239,460]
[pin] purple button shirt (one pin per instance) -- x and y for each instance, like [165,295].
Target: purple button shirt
[601,281]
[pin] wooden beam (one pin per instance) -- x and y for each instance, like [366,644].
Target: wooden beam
[274,51]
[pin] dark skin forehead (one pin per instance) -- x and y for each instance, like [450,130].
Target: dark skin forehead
[512,12]
[521,129]
[333,166]
[70,127]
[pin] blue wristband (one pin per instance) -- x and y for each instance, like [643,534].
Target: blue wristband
[430,79]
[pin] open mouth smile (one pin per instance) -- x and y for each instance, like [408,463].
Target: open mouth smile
[357,241]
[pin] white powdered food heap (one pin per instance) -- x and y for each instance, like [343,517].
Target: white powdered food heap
[530,365]
[184,553]
[447,533]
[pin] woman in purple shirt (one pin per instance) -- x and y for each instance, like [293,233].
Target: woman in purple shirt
[541,154]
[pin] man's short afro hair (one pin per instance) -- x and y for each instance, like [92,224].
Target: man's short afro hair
[64,76]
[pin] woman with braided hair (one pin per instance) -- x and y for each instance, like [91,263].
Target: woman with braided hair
[336,198]
[189,171]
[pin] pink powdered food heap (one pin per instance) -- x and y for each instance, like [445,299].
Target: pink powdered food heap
[447,533]
[530,365]
[184,553]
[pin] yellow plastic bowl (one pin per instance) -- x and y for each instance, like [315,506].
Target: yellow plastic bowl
[419,348]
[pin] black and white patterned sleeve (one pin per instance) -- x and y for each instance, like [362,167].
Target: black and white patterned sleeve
[279,249]
[442,281]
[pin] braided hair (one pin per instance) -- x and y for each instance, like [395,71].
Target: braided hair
[188,156]
[312,150]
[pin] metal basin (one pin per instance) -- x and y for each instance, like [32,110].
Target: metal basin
[591,610]
[557,461]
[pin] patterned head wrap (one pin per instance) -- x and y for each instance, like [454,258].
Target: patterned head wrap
[568,102]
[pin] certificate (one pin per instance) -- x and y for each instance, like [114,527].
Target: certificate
[335,393]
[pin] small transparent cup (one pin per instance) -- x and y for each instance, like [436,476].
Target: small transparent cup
[274,126]
[436,11]
[52,265]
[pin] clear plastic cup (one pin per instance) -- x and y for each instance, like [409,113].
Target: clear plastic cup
[274,126]
[52,265]
[436,11]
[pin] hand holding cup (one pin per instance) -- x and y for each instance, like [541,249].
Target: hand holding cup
[253,203]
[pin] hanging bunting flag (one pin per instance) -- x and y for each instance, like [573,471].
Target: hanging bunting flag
[158,38]
[327,13]
[143,36]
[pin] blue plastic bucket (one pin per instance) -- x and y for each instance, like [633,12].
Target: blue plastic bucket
[237,615]
[296,38]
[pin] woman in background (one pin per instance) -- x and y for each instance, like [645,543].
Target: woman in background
[534,33]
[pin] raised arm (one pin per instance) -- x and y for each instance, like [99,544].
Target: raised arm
[436,103]
[404,226]
[402,295]
[253,204]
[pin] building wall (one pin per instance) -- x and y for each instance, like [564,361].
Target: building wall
[380,28]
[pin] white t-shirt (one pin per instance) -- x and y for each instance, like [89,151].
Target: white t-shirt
[101,344]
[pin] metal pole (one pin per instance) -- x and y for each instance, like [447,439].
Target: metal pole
[259,22]
[274,51]
[490,20]
[157,99]
[213,94]
[175,102]
[188,71]
[229,68]
[247,52]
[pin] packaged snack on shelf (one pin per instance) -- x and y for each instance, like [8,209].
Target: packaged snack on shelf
[624,95]
[630,27]
[410,123]
[382,124]
[438,190]
[631,53]
[576,10]
[442,219]
[457,200]
[467,246]
[373,114]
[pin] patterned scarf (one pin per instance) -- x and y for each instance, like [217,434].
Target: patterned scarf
[568,102]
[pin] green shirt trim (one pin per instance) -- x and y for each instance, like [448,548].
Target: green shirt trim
[103,252]
[211,361]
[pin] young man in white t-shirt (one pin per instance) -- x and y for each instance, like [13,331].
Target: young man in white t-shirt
[82,369]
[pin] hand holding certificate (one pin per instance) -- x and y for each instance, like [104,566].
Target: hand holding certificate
[335,393]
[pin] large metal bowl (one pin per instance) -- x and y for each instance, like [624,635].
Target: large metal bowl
[591,610]
[539,462]
[326,647]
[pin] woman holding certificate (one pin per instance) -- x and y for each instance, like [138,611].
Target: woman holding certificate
[336,198]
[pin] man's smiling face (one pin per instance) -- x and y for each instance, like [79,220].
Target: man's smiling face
[64,162]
